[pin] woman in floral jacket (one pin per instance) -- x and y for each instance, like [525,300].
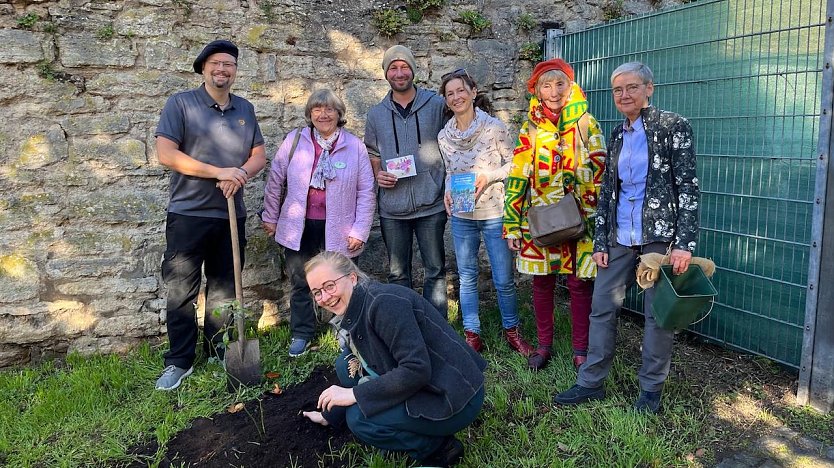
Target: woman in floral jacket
[560,149]
[648,204]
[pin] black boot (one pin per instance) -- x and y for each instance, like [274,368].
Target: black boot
[448,454]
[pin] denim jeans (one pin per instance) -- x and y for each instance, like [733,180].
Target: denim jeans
[398,235]
[193,245]
[467,235]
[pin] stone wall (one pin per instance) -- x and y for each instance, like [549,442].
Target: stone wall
[84,197]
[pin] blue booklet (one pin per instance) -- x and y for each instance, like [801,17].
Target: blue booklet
[463,192]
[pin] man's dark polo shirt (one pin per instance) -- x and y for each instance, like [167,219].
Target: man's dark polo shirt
[206,133]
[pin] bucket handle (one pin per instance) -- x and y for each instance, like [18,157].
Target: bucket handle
[711,306]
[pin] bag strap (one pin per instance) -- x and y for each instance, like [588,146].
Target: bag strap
[294,145]
[289,157]
[531,134]
[582,126]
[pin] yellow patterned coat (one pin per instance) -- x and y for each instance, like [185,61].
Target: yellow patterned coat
[568,156]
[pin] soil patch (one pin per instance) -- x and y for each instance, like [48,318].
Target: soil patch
[269,432]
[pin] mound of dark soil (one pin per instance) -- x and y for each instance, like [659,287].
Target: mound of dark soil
[270,432]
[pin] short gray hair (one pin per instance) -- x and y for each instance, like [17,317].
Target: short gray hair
[548,76]
[637,68]
[325,98]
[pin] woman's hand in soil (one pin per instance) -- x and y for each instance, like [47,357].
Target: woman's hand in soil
[316,417]
[336,396]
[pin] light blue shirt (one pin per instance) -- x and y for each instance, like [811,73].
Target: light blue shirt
[633,168]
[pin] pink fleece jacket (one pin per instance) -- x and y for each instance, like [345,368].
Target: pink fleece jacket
[350,196]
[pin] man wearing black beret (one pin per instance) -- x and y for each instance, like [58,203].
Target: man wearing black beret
[211,141]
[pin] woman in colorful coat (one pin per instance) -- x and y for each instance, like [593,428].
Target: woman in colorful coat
[560,149]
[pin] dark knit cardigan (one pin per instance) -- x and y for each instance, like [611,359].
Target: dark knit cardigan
[419,357]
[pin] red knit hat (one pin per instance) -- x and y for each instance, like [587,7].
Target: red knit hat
[546,66]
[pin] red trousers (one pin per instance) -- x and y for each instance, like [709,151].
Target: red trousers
[581,292]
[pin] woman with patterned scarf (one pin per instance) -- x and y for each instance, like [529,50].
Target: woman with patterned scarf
[328,205]
[560,149]
[477,144]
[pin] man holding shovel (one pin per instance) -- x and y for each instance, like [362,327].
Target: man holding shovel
[213,144]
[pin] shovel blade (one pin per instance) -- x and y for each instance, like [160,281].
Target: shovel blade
[243,364]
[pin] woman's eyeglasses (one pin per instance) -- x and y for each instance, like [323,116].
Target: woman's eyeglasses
[629,89]
[328,286]
[456,74]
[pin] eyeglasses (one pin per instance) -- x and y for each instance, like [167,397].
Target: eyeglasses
[323,110]
[328,286]
[629,89]
[219,64]
[456,74]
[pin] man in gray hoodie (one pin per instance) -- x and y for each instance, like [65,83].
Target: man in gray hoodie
[401,132]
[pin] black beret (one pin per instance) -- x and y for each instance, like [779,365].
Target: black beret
[214,47]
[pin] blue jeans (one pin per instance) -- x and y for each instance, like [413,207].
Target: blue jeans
[467,236]
[398,235]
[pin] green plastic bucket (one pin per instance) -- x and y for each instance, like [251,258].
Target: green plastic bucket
[680,299]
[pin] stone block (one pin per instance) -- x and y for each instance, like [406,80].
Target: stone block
[116,206]
[135,325]
[37,146]
[108,286]
[13,355]
[74,267]
[295,66]
[271,316]
[69,103]
[100,152]
[144,21]
[25,47]
[82,124]
[140,83]
[21,330]
[71,317]
[164,55]
[157,305]
[78,50]
[498,55]
[86,345]
[19,278]
[93,241]
[29,218]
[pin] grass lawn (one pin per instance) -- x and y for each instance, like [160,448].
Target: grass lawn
[90,411]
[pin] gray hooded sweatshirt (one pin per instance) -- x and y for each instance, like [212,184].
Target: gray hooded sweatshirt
[385,130]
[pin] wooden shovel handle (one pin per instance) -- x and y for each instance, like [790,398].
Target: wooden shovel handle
[236,256]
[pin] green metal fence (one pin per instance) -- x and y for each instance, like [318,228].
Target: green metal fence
[747,75]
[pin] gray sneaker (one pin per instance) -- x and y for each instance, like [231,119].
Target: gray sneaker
[171,377]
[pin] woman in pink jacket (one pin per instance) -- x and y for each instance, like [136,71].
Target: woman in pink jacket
[328,205]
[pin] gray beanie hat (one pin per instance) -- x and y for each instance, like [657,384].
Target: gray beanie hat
[398,52]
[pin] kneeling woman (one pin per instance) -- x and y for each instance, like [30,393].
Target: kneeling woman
[409,381]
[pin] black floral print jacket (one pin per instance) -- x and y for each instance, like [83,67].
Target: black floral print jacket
[670,208]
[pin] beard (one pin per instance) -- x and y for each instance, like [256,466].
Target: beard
[221,81]
[401,88]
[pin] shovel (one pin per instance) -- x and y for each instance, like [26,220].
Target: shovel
[243,357]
